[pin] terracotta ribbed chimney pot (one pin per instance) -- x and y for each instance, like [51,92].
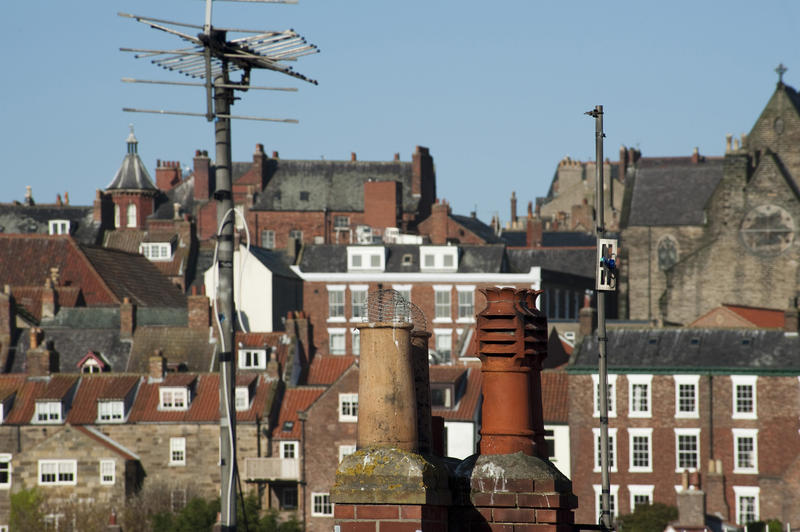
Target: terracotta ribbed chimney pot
[387,404]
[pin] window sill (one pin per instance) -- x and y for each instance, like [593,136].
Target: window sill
[687,415]
[442,320]
[465,320]
[640,415]
[341,319]
[745,471]
[348,420]
[744,416]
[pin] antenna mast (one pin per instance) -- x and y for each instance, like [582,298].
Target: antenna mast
[211,57]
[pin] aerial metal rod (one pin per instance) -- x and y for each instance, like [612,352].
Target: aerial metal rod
[147,20]
[185,36]
[193,84]
[185,113]
[183,51]
[262,1]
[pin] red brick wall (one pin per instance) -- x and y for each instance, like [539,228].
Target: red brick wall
[168,174]
[390,517]
[324,435]
[778,447]
[207,221]
[381,203]
[203,184]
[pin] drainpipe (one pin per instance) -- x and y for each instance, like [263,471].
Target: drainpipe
[302,416]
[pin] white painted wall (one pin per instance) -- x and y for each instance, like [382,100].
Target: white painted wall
[561,448]
[460,439]
[252,291]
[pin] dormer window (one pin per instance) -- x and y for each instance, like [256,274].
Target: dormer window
[110,411]
[366,258]
[58,227]
[441,396]
[5,406]
[439,258]
[252,358]
[48,412]
[173,398]
[156,251]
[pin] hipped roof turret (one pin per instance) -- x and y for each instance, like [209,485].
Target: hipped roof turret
[132,174]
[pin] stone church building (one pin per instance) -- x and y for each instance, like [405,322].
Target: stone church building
[698,232]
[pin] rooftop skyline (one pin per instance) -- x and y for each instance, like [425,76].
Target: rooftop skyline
[496,92]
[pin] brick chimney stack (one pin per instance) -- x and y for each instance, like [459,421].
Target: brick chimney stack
[127,318]
[691,503]
[533,232]
[49,299]
[7,323]
[199,311]
[203,182]
[587,318]
[157,366]
[40,360]
[440,221]
[513,210]
[168,175]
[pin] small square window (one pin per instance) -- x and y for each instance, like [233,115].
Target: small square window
[289,449]
[107,472]
[321,504]
[304,195]
[268,239]
[348,407]
[242,398]
[177,451]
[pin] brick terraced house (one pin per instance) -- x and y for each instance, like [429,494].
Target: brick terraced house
[723,403]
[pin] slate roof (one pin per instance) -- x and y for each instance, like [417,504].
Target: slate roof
[187,348]
[555,404]
[567,239]
[478,227]
[294,400]
[682,350]
[574,261]
[27,219]
[335,185]
[325,369]
[132,174]
[488,258]
[132,275]
[672,191]
[73,344]
[182,193]
[274,261]
[469,402]
[30,297]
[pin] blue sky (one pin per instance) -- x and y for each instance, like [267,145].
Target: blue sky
[496,90]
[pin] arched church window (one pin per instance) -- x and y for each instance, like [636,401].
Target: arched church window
[667,253]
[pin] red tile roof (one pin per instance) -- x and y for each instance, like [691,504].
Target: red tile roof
[446,374]
[30,297]
[9,385]
[466,406]
[25,402]
[95,387]
[260,340]
[766,318]
[554,397]
[204,405]
[294,400]
[58,386]
[325,369]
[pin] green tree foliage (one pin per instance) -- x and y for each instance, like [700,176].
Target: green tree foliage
[648,518]
[26,510]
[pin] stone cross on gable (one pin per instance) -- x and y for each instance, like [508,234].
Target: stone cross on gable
[781,70]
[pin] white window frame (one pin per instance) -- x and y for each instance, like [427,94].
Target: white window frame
[108,468]
[64,467]
[173,398]
[640,380]
[355,338]
[252,358]
[640,433]
[466,291]
[156,251]
[344,450]
[687,380]
[369,258]
[612,449]
[242,398]
[686,432]
[130,215]
[741,434]
[58,227]
[323,501]
[640,490]
[612,394]
[598,490]
[117,216]
[358,291]
[444,336]
[177,445]
[744,380]
[438,254]
[334,337]
[348,402]
[53,412]
[288,448]
[339,315]
[110,411]
[269,242]
[7,468]
[443,313]
[747,491]
[404,289]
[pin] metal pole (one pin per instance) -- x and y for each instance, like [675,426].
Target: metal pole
[602,339]
[225,303]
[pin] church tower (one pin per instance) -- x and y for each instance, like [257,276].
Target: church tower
[132,191]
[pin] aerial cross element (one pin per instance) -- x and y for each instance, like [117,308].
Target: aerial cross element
[780,70]
[211,57]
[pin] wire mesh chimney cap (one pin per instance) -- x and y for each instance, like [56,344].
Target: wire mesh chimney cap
[388,306]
